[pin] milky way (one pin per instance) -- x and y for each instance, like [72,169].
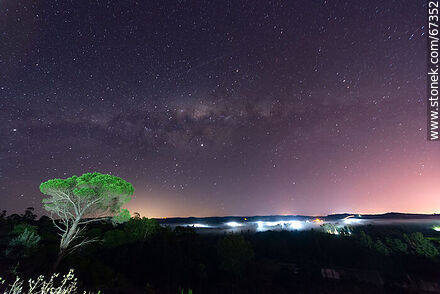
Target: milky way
[220,107]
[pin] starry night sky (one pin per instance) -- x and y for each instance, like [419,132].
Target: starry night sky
[220,107]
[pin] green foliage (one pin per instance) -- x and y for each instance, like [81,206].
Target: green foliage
[396,246]
[27,239]
[365,239]
[135,230]
[121,217]
[58,184]
[414,243]
[20,228]
[235,253]
[141,228]
[114,238]
[78,201]
[108,192]
[377,245]
[380,247]
[420,245]
[210,262]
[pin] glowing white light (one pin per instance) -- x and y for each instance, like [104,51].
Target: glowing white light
[234,224]
[296,225]
[260,226]
[288,225]
[351,221]
[271,224]
[198,225]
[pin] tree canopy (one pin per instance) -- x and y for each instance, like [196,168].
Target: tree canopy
[90,193]
[77,201]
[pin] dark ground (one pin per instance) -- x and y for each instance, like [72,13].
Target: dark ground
[142,257]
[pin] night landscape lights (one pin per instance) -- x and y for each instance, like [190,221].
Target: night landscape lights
[229,146]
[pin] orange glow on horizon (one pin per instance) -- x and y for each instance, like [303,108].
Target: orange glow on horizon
[404,185]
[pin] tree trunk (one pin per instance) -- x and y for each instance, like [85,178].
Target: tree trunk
[58,261]
[65,242]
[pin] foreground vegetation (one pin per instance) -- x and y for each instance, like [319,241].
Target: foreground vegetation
[139,256]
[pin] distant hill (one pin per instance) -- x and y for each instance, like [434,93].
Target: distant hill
[331,217]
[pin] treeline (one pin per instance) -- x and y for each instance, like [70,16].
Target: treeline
[139,256]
